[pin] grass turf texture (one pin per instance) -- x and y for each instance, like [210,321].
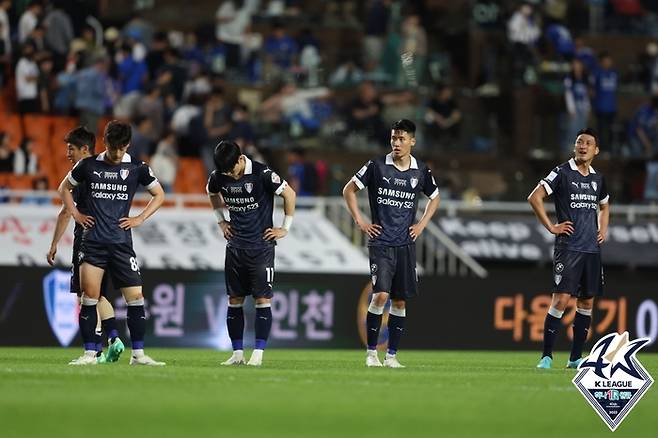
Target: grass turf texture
[309,393]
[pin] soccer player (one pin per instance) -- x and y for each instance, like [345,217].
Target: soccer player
[241,192]
[394,183]
[110,181]
[80,144]
[583,213]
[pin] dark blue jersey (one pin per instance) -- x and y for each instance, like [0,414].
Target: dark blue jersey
[109,190]
[80,198]
[250,201]
[393,196]
[577,198]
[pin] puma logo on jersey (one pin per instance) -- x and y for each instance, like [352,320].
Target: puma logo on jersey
[388,180]
[575,184]
[98,174]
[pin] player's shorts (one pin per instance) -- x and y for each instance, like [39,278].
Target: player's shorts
[577,273]
[75,271]
[393,270]
[117,258]
[249,272]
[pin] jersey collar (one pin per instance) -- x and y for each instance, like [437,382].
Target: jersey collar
[389,161]
[101,157]
[574,166]
[248,166]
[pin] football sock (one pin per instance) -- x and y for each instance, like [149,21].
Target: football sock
[373,322]
[580,328]
[235,325]
[551,327]
[263,324]
[110,327]
[87,320]
[136,323]
[396,318]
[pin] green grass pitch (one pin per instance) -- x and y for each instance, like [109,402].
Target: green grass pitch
[303,393]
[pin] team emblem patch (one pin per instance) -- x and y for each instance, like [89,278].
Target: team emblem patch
[374,280]
[559,267]
[414,182]
[594,185]
[248,187]
[61,306]
[373,268]
[612,379]
[275,178]
[124,173]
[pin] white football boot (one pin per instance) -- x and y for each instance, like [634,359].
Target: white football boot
[371,359]
[237,358]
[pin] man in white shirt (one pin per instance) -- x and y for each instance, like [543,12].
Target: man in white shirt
[29,20]
[27,75]
[232,18]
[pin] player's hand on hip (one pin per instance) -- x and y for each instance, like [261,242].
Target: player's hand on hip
[84,220]
[565,227]
[600,237]
[51,255]
[372,230]
[275,233]
[415,230]
[127,223]
[227,231]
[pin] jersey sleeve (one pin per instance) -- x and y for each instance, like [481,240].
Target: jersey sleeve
[78,174]
[147,177]
[604,197]
[364,175]
[552,181]
[430,188]
[273,182]
[213,184]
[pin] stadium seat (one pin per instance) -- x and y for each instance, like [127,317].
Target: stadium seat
[11,124]
[191,176]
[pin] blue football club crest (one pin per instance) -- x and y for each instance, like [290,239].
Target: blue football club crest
[612,379]
[61,306]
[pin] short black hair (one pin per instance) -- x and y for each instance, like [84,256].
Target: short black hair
[80,137]
[226,155]
[117,134]
[589,131]
[405,125]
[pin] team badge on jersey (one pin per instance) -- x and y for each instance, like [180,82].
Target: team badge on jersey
[594,185]
[61,306]
[124,173]
[414,182]
[558,273]
[612,379]
[275,178]
[248,187]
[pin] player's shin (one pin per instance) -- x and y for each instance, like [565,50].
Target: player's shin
[551,327]
[108,321]
[396,320]
[235,325]
[373,322]
[137,325]
[88,320]
[263,324]
[581,325]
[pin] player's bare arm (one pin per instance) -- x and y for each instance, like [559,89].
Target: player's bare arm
[536,201]
[604,220]
[416,229]
[64,190]
[222,213]
[349,193]
[289,196]
[63,218]
[157,198]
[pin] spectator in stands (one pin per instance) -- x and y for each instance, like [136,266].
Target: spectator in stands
[585,54]
[651,184]
[5,30]
[47,85]
[604,100]
[560,39]
[364,114]
[232,20]
[171,76]
[155,56]
[140,143]
[5,56]
[523,31]
[38,184]
[643,134]
[648,61]
[293,106]
[280,49]
[217,123]
[59,31]
[242,131]
[150,105]
[576,96]
[347,74]
[6,154]
[26,162]
[413,51]
[91,93]
[38,39]
[133,73]
[164,161]
[302,175]
[27,76]
[375,29]
[29,20]
[442,118]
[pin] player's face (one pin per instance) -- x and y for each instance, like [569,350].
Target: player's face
[75,154]
[238,169]
[401,143]
[585,148]
[115,156]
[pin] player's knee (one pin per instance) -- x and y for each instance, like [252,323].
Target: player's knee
[235,301]
[88,301]
[398,304]
[263,302]
[380,299]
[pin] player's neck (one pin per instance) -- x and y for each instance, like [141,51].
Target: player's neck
[403,162]
[583,166]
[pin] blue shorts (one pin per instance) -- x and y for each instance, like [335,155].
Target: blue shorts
[249,272]
[117,258]
[393,270]
[577,273]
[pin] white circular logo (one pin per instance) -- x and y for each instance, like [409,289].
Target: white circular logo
[559,268]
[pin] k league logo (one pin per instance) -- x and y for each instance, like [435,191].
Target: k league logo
[61,306]
[612,379]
